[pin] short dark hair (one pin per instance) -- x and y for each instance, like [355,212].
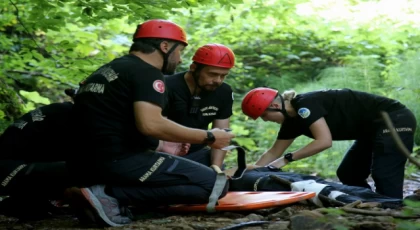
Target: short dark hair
[199,66]
[147,45]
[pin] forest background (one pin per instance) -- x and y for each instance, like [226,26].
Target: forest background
[305,45]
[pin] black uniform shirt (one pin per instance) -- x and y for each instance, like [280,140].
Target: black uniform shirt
[42,134]
[349,114]
[104,105]
[215,105]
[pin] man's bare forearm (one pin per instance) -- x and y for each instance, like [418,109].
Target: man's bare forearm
[217,157]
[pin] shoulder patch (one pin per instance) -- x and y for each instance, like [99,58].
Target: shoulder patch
[159,86]
[304,112]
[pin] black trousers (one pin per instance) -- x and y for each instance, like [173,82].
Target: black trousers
[379,156]
[150,178]
[31,168]
[202,156]
[34,179]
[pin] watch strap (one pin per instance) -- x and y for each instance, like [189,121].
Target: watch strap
[210,139]
[289,157]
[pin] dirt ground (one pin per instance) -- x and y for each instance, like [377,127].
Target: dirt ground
[296,216]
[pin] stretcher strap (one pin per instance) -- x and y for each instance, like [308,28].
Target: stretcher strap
[241,162]
[221,178]
[218,188]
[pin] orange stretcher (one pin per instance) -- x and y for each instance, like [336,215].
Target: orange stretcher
[244,201]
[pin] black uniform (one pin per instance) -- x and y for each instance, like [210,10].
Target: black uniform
[33,151]
[214,105]
[115,153]
[354,115]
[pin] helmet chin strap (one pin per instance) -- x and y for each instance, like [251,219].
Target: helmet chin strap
[282,110]
[166,57]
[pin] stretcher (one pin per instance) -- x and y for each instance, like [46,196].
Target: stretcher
[245,201]
[240,201]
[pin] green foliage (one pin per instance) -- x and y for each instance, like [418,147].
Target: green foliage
[47,46]
[33,98]
[412,208]
[406,225]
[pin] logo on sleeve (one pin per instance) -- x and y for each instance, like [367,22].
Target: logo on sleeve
[159,86]
[304,112]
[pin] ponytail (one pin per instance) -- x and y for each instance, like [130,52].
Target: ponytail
[288,95]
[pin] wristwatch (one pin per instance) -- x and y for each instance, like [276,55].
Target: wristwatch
[210,139]
[289,157]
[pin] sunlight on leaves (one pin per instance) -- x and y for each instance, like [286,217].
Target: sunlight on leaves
[35,97]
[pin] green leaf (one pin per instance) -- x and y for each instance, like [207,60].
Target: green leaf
[316,59]
[35,97]
[245,142]
[27,56]
[292,56]
[37,55]
[29,107]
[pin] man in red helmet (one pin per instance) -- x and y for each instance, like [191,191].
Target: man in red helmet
[116,110]
[200,96]
[341,114]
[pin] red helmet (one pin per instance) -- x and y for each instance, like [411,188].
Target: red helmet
[158,28]
[215,55]
[257,101]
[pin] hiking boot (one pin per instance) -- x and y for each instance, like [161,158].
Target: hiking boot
[106,209]
[80,207]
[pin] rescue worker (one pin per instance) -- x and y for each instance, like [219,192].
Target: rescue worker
[340,114]
[32,161]
[117,109]
[199,97]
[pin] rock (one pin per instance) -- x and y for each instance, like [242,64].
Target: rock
[279,225]
[252,228]
[206,225]
[241,220]
[254,217]
[264,212]
[308,221]
[375,225]
[162,221]
[314,214]
[181,226]
[283,214]
[223,220]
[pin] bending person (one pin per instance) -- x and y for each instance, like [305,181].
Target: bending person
[344,114]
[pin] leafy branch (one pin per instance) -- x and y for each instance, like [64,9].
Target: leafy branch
[39,74]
